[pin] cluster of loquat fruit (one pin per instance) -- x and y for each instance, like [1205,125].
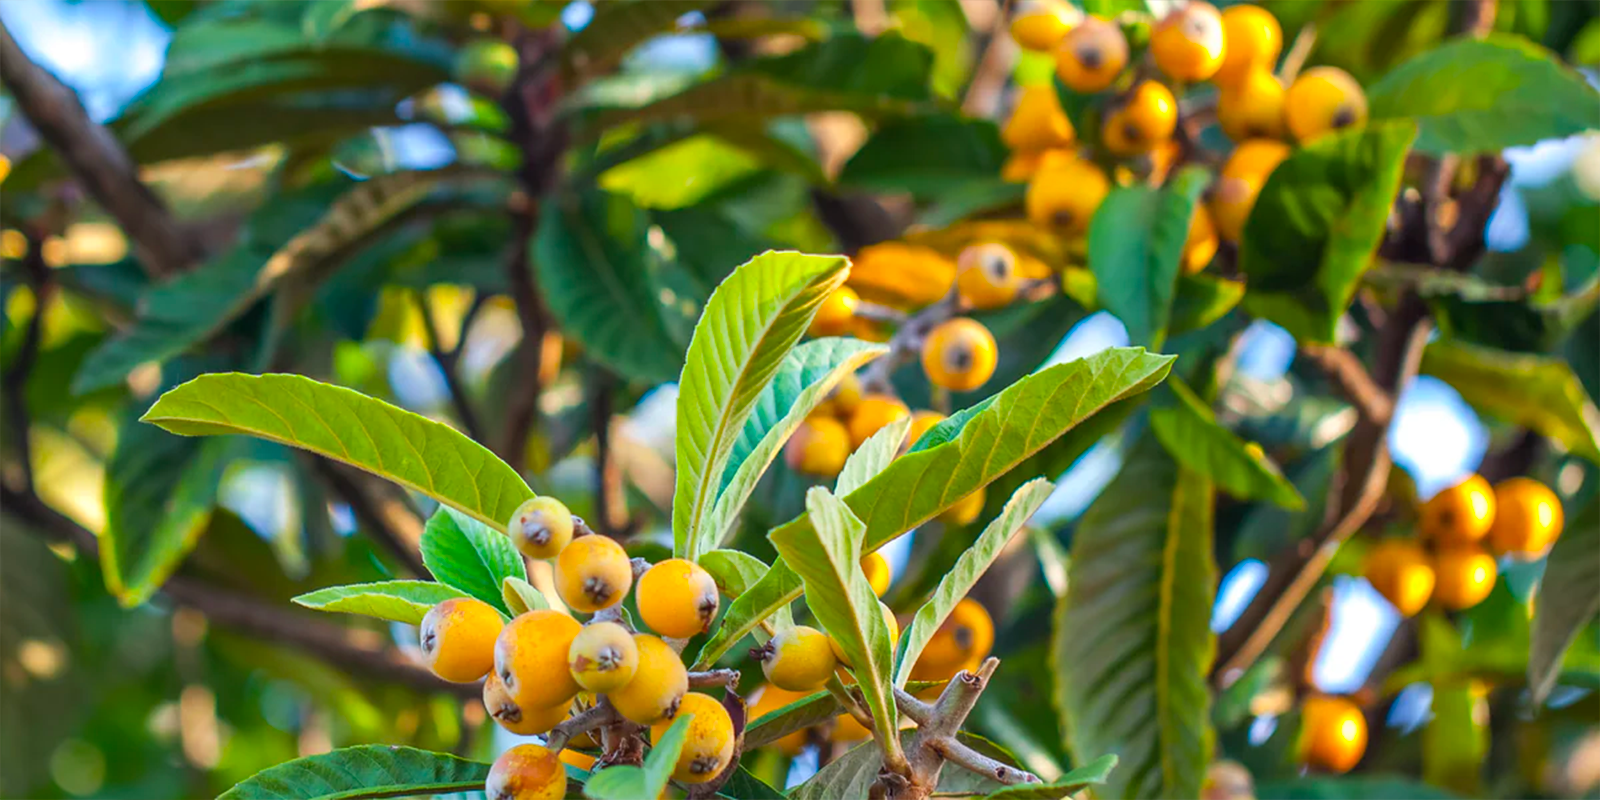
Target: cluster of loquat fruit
[1463,528]
[1235,49]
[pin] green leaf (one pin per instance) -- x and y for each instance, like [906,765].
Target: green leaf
[873,456]
[743,785]
[807,712]
[38,607]
[617,28]
[627,782]
[827,556]
[1329,788]
[1202,300]
[1484,95]
[1569,598]
[396,601]
[469,555]
[1190,433]
[681,174]
[1316,224]
[413,451]
[1540,392]
[159,494]
[966,572]
[927,156]
[965,452]
[737,572]
[367,771]
[1094,772]
[852,775]
[1135,252]
[804,379]
[751,322]
[1133,641]
[520,596]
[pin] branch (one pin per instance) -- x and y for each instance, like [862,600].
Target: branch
[1350,375]
[611,510]
[971,760]
[97,160]
[448,363]
[594,718]
[994,67]
[385,520]
[726,678]
[522,406]
[14,381]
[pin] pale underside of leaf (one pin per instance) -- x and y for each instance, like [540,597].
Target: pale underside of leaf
[873,456]
[396,601]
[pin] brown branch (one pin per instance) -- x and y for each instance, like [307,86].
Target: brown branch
[1347,372]
[385,520]
[611,510]
[522,406]
[994,67]
[449,363]
[726,678]
[14,381]
[97,160]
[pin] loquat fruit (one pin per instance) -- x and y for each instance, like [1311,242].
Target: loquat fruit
[922,421]
[986,275]
[510,715]
[1333,734]
[577,760]
[603,657]
[1188,43]
[1527,518]
[677,598]
[1240,181]
[799,658]
[1253,38]
[1040,25]
[1323,99]
[1145,118]
[1201,246]
[592,573]
[965,637]
[1022,165]
[769,698]
[1460,514]
[876,568]
[457,638]
[835,313]
[888,620]
[1463,576]
[818,447]
[872,413]
[842,399]
[708,743]
[526,772]
[965,510]
[959,354]
[1402,573]
[1064,197]
[658,684]
[1091,55]
[541,527]
[1252,107]
[1037,122]
[531,658]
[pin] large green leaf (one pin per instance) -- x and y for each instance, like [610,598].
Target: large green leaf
[1133,641]
[1190,433]
[804,379]
[827,556]
[617,27]
[1484,95]
[928,156]
[367,771]
[417,453]
[750,323]
[1569,598]
[737,572]
[959,456]
[627,782]
[1540,392]
[1136,248]
[873,456]
[469,555]
[1316,224]
[1094,772]
[974,561]
[396,601]
[599,274]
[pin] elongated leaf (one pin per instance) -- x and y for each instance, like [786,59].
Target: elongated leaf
[737,572]
[957,457]
[396,601]
[627,782]
[599,275]
[928,155]
[367,771]
[1316,224]
[1569,598]
[618,27]
[1135,248]
[1133,637]
[968,569]
[1094,772]
[1540,392]
[807,712]
[750,323]
[745,786]
[873,456]
[827,556]
[463,552]
[1484,95]
[1190,433]
[417,453]
[520,596]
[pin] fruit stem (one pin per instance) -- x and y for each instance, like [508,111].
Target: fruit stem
[714,677]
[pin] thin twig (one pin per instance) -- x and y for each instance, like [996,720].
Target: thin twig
[715,677]
[1304,42]
[591,719]
[971,760]
[15,380]
[610,504]
[522,406]
[1347,372]
[994,67]
[384,520]
[449,362]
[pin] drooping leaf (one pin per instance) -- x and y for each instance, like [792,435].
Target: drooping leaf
[417,453]
[928,156]
[737,572]
[1094,772]
[627,782]
[1538,391]
[1190,432]
[520,596]
[804,379]
[1133,642]
[396,601]
[366,771]
[966,572]
[744,785]
[1484,95]
[1569,598]
[809,711]
[960,455]
[873,456]
[750,323]
[827,556]
[1135,248]
[469,555]
[1316,224]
